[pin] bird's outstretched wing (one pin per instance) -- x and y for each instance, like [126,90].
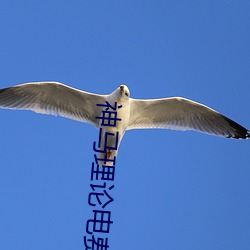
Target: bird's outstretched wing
[182,114]
[53,98]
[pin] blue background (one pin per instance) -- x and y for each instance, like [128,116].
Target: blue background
[173,190]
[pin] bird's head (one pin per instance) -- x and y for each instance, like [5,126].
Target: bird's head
[124,91]
[121,94]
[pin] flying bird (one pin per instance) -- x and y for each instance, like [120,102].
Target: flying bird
[175,113]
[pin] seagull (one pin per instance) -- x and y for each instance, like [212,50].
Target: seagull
[176,113]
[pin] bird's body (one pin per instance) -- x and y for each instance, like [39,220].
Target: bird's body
[121,126]
[167,113]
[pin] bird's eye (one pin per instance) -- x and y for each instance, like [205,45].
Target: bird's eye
[126,93]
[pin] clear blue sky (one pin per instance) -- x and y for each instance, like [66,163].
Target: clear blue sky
[173,190]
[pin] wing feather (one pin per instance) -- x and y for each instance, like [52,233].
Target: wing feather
[182,114]
[53,98]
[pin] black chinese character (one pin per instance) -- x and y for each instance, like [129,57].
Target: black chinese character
[100,194]
[100,245]
[104,144]
[107,172]
[109,118]
[101,222]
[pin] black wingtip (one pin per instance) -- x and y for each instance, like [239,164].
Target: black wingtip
[239,131]
[3,90]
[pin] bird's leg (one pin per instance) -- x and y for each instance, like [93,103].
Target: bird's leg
[108,153]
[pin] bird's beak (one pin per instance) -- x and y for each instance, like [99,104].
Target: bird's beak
[122,88]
